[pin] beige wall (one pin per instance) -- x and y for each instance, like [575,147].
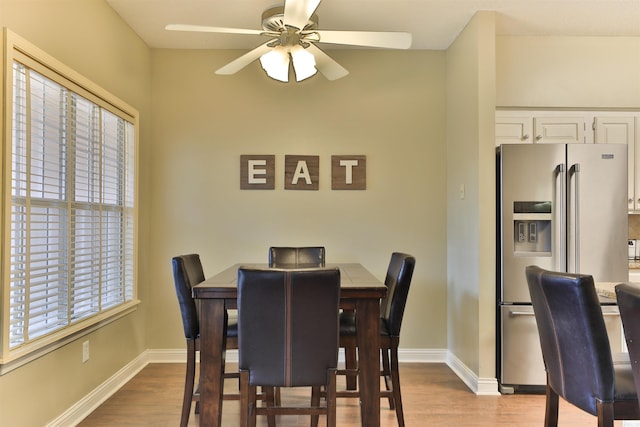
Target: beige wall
[89,37]
[589,72]
[471,220]
[391,108]
[424,120]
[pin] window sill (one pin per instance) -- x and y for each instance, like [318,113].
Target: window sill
[28,353]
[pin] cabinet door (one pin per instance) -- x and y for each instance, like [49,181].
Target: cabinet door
[513,130]
[559,130]
[621,130]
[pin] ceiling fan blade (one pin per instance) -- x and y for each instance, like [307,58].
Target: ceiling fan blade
[298,12]
[206,29]
[326,65]
[246,59]
[391,40]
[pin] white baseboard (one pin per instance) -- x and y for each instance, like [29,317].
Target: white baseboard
[404,355]
[480,386]
[80,410]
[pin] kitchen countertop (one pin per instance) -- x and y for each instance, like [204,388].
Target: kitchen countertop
[606,289]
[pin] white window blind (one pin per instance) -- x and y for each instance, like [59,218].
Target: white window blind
[72,230]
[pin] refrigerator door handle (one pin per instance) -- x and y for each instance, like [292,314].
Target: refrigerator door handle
[521,313]
[575,172]
[561,253]
[530,313]
[610,313]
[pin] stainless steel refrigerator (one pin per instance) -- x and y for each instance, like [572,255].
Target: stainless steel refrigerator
[562,207]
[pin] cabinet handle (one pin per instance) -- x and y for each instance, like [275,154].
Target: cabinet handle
[631,201]
[525,137]
[538,137]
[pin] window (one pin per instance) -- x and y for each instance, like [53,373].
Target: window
[70,176]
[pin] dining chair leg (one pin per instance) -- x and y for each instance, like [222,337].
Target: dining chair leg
[386,374]
[395,385]
[244,398]
[605,414]
[188,383]
[551,408]
[315,401]
[331,399]
[270,402]
[253,402]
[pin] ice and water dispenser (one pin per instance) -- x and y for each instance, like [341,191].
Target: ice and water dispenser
[532,228]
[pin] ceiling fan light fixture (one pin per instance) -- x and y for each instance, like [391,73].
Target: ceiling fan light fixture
[276,64]
[293,30]
[304,63]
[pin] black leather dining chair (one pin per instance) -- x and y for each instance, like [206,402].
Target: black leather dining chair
[280,343]
[392,307]
[188,272]
[576,351]
[304,256]
[628,297]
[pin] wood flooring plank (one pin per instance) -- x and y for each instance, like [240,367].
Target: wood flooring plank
[432,396]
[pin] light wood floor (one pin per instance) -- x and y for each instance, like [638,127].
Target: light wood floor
[432,394]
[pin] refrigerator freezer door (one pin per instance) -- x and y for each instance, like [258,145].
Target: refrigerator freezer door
[528,173]
[520,353]
[597,211]
[521,357]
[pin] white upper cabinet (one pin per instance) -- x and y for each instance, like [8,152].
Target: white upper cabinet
[559,130]
[622,130]
[523,127]
[513,130]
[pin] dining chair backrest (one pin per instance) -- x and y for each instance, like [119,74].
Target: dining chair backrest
[573,337]
[279,338]
[188,272]
[397,281]
[628,297]
[304,256]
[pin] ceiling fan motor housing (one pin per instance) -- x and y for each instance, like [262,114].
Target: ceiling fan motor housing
[273,20]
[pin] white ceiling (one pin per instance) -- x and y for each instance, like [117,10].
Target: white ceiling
[434,24]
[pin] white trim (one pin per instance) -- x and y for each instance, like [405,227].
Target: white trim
[480,386]
[32,355]
[404,355]
[80,410]
[415,355]
[15,48]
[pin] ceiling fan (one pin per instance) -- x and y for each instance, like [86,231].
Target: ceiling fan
[293,32]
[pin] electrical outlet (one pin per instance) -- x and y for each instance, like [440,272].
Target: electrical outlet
[461,191]
[85,351]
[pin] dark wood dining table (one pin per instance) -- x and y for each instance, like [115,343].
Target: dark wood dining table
[359,290]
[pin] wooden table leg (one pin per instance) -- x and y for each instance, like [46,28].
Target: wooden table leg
[212,351]
[368,332]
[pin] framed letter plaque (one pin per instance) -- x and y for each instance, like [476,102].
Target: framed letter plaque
[348,172]
[301,172]
[257,172]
